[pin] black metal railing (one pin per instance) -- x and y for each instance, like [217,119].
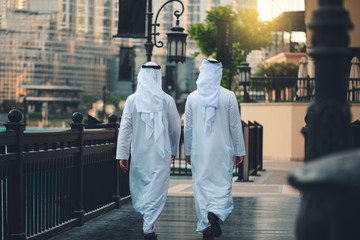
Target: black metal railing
[253,162]
[54,180]
[292,89]
[50,181]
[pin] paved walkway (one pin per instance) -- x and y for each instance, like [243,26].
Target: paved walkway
[271,182]
[264,209]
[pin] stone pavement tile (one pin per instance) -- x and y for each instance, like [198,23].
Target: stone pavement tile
[253,218]
[272,182]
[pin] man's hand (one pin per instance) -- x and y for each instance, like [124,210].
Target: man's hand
[188,160]
[238,160]
[124,165]
[172,158]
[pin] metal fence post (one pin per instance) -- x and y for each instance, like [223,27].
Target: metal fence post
[112,123]
[259,146]
[243,173]
[79,213]
[16,205]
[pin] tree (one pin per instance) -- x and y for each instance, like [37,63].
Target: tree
[86,103]
[282,69]
[248,34]
[281,76]
[8,105]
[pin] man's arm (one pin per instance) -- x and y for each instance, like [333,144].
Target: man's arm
[239,161]
[124,137]
[124,165]
[174,128]
[188,130]
[236,132]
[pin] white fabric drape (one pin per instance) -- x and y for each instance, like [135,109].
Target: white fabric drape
[149,103]
[208,84]
[212,154]
[149,167]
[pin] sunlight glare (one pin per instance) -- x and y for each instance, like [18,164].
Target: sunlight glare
[264,10]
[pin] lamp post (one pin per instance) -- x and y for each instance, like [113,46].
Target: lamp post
[25,110]
[176,38]
[244,79]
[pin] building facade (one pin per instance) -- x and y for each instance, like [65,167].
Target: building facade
[69,43]
[57,43]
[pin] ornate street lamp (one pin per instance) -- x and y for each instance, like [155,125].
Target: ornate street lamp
[244,78]
[176,44]
[176,38]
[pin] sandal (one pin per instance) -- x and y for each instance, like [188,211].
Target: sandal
[151,236]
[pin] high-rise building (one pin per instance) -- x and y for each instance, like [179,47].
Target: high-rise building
[3,19]
[69,43]
[66,45]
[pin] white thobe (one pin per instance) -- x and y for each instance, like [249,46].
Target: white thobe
[212,155]
[149,171]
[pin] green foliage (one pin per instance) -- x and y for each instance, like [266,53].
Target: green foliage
[248,32]
[204,35]
[8,105]
[282,69]
[35,115]
[88,100]
[114,100]
[86,103]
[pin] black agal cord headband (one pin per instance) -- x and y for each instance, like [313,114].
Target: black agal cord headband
[150,66]
[212,61]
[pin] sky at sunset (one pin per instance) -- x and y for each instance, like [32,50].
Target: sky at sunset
[267,12]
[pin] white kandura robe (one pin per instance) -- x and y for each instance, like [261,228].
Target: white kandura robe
[149,171]
[212,155]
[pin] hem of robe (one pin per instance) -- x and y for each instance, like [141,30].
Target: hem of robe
[222,218]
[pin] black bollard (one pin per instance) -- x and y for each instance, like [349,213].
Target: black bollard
[330,206]
[329,114]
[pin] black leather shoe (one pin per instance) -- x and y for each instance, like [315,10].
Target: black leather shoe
[215,225]
[207,234]
[152,236]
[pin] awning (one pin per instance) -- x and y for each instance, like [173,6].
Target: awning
[290,22]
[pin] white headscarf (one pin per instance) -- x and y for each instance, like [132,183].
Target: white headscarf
[149,102]
[208,84]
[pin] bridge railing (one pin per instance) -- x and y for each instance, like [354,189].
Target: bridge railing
[253,161]
[54,180]
[293,89]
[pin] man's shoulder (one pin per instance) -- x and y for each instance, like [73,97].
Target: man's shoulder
[193,93]
[225,92]
[168,98]
[131,97]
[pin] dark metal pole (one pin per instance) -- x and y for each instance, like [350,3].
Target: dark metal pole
[25,111]
[329,114]
[149,44]
[230,74]
[133,85]
[104,101]
[79,211]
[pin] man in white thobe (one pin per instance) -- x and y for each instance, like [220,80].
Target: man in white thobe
[150,123]
[213,136]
